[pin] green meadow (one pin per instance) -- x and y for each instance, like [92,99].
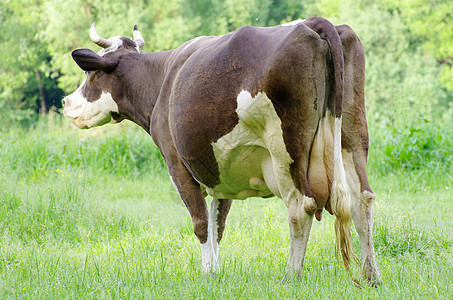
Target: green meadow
[92,215]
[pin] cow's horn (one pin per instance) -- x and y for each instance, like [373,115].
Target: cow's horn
[138,37]
[97,39]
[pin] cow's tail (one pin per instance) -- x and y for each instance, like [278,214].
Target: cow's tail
[340,196]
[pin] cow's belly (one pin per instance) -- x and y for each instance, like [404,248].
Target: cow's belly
[243,156]
[244,163]
[242,173]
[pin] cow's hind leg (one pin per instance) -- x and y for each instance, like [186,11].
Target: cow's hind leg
[285,177]
[362,216]
[355,144]
[300,213]
[217,218]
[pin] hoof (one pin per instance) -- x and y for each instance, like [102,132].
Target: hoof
[371,273]
[371,282]
[374,282]
[291,277]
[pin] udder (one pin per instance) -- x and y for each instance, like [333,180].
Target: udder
[320,169]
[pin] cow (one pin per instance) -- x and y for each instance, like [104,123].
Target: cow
[258,112]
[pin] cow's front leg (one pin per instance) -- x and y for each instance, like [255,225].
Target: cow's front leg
[192,196]
[362,215]
[217,218]
[300,217]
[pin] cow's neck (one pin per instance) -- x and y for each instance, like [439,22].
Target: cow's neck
[143,80]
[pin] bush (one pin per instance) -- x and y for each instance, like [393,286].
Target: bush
[47,149]
[422,146]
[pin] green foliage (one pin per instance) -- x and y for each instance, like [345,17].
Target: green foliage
[24,65]
[417,148]
[406,74]
[408,63]
[402,79]
[127,152]
[429,23]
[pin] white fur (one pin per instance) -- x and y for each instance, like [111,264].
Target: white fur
[246,154]
[213,230]
[210,249]
[208,259]
[254,151]
[299,225]
[73,103]
[295,22]
[87,114]
[193,41]
[340,195]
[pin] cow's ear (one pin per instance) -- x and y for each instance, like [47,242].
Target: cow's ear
[88,60]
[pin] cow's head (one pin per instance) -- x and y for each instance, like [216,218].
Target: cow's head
[95,102]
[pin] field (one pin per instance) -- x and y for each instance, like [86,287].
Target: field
[92,214]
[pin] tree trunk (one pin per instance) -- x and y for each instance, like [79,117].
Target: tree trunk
[42,96]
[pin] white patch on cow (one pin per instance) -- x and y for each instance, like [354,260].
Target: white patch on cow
[252,158]
[340,195]
[193,41]
[293,23]
[209,260]
[73,103]
[352,178]
[210,249]
[213,230]
[87,114]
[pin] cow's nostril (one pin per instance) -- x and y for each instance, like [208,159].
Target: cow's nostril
[63,101]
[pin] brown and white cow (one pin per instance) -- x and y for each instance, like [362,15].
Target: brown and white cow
[256,112]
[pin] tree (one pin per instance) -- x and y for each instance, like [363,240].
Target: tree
[159,21]
[430,24]
[402,77]
[25,82]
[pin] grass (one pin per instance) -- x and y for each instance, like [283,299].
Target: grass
[92,214]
